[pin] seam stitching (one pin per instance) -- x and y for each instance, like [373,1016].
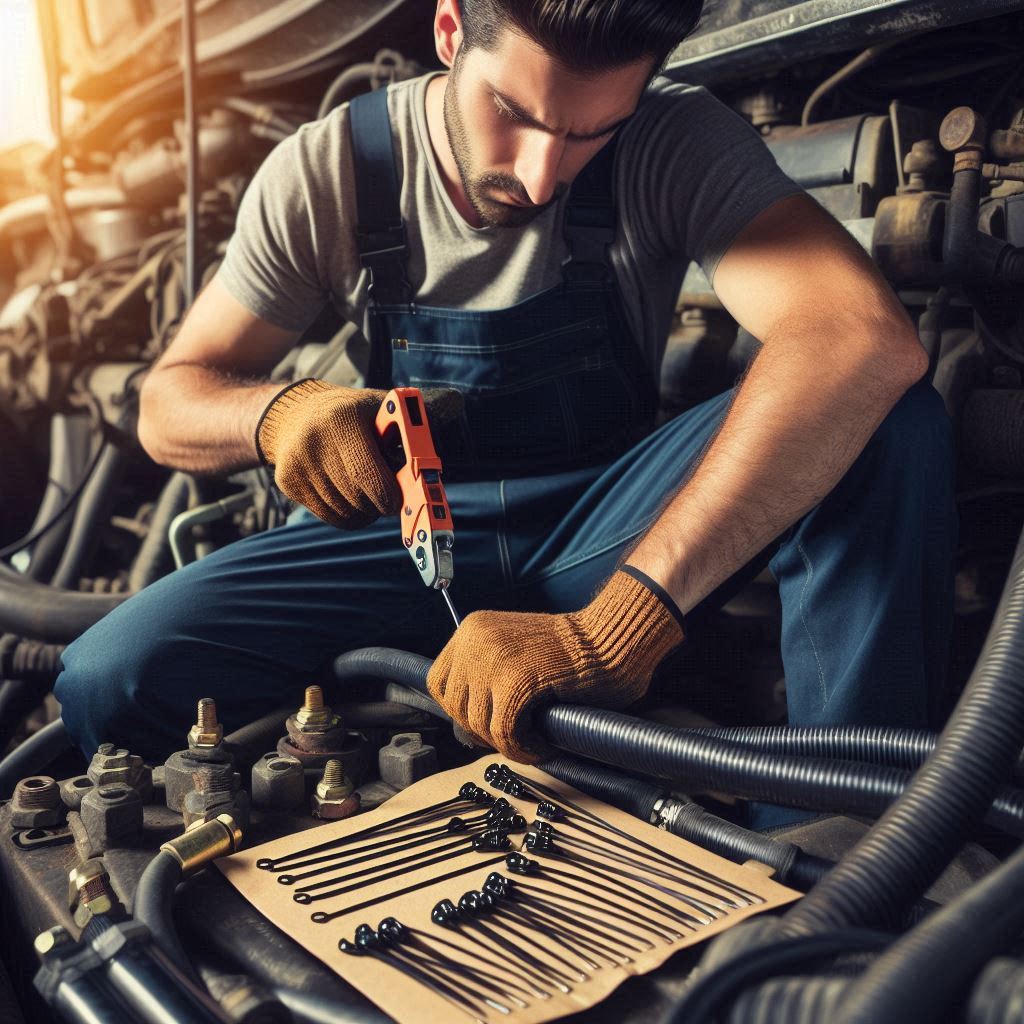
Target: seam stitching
[803,618]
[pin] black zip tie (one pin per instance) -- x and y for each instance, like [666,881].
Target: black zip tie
[485,842]
[322,917]
[616,886]
[468,793]
[457,826]
[722,903]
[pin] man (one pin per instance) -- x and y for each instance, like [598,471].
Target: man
[550,207]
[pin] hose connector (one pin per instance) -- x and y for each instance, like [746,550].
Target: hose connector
[204,841]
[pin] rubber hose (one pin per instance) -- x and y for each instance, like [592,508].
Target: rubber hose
[154,907]
[929,969]
[411,698]
[39,612]
[698,762]
[998,993]
[154,557]
[792,866]
[632,795]
[94,506]
[909,847]
[32,756]
[961,231]
[250,742]
[702,764]
[352,75]
[790,1001]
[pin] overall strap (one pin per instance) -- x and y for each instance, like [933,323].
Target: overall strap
[589,224]
[380,231]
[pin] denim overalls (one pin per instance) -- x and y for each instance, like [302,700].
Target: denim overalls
[551,475]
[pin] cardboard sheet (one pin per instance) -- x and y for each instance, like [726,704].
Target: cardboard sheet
[410,1002]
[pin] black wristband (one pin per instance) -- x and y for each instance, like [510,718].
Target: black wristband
[263,415]
[658,591]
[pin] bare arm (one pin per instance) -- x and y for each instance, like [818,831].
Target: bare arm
[201,402]
[838,352]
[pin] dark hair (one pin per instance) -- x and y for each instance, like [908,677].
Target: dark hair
[585,35]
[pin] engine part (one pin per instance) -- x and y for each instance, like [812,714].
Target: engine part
[112,816]
[216,790]
[315,728]
[406,759]
[89,891]
[73,790]
[334,797]
[906,241]
[278,782]
[205,747]
[36,803]
[207,733]
[112,765]
[78,995]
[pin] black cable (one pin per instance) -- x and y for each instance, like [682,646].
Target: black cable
[69,503]
[716,990]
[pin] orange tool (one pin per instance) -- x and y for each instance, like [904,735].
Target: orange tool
[426,519]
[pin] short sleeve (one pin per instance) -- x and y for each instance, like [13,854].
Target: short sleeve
[700,174]
[271,264]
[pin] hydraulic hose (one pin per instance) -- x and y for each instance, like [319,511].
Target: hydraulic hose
[701,763]
[998,993]
[634,796]
[154,905]
[32,756]
[929,969]
[40,612]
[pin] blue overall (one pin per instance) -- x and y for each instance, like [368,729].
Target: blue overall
[552,472]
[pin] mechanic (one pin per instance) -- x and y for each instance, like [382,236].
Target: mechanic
[552,198]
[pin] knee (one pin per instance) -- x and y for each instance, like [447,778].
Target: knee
[917,434]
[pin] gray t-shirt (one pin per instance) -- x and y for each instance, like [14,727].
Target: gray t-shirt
[689,175]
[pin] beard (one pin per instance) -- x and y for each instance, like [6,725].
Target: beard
[481,189]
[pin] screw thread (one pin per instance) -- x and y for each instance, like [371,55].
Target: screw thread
[334,773]
[39,791]
[206,715]
[314,699]
[211,779]
[92,888]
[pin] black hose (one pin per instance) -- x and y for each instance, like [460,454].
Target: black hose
[153,905]
[32,756]
[947,797]
[154,557]
[998,993]
[634,796]
[384,663]
[94,505]
[930,968]
[961,230]
[40,612]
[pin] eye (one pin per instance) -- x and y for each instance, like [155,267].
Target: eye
[506,112]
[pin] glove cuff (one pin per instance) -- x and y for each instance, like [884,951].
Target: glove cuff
[270,423]
[659,591]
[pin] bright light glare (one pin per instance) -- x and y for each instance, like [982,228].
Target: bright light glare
[23,109]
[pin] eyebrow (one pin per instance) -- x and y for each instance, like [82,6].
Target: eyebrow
[529,119]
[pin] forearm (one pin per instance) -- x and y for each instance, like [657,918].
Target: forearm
[798,422]
[196,419]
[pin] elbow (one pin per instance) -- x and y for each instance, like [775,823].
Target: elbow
[149,419]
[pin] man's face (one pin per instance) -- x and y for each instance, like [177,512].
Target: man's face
[521,127]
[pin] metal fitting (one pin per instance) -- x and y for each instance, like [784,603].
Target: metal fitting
[203,841]
[73,790]
[315,727]
[278,781]
[36,803]
[89,892]
[406,759]
[180,770]
[112,816]
[335,796]
[962,129]
[207,732]
[112,765]
[200,806]
[52,939]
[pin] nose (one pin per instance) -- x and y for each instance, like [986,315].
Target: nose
[537,163]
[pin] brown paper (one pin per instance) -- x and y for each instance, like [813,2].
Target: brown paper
[410,1002]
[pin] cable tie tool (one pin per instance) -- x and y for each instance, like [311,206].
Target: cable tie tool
[426,518]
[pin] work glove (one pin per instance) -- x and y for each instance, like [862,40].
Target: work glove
[321,440]
[499,668]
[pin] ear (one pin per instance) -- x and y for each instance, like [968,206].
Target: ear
[447,31]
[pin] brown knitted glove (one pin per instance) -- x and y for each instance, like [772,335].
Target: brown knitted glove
[322,443]
[499,667]
[321,440]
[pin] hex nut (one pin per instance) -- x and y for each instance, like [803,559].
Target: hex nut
[332,810]
[89,891]
[198,806]
[36,803]
[51,940]
[112,765]
[180,769]
[73,790]
[278,781]
[112,816]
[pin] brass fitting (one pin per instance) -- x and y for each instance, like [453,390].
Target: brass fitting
[207,732]
[203,841]
[53,938]
[315,715]
[335,796]
[89,891]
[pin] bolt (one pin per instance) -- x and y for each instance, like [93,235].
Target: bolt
[314,715]
[207,732]
[51,939]
[334,785]
[37,791]
[314,699]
